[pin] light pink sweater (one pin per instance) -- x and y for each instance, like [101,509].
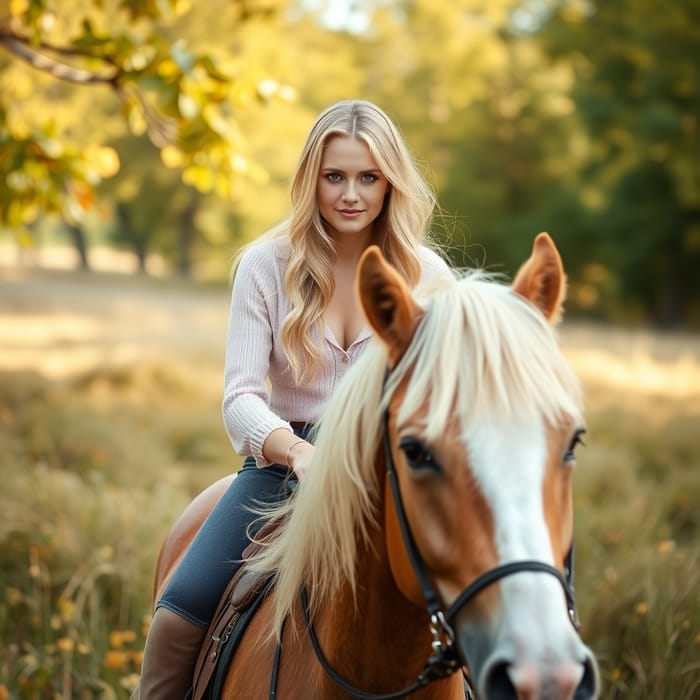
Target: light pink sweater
[260,394]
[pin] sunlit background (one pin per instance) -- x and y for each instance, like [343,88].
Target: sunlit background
[142,143]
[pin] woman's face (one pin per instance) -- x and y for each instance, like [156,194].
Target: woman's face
[351,189]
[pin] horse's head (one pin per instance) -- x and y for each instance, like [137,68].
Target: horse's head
[484,415]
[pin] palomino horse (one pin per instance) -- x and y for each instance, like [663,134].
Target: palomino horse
[437,514]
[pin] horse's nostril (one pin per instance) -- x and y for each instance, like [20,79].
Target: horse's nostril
[498,685]
[588,687]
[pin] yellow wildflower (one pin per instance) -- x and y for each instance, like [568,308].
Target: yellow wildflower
[116,660]
[65,644]
[14,597]
[118,638]
[666,546]
[641,608]
[66,608]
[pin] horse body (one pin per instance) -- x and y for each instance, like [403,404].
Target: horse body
[361,635]
[183,531]
[466,511]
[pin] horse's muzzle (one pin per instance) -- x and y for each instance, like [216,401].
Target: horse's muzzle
[503,680]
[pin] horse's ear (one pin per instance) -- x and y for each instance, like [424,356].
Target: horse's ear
[387,303]
[541,278]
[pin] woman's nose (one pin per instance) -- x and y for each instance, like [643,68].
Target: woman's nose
[350,194]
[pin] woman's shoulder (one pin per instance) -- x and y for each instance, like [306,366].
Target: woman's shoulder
[264,255]
[432,264]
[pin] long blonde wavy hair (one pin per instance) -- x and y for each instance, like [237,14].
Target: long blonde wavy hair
[402,225]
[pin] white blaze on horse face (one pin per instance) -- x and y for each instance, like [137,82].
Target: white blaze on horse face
[531,625]
[508,463]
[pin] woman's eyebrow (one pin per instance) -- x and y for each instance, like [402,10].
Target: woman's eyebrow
[340,170]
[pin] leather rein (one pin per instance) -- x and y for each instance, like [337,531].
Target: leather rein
[445,658]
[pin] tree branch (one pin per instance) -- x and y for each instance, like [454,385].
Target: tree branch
[20,47]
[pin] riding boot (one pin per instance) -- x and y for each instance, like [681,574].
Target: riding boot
[172,647]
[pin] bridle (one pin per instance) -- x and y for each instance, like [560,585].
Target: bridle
[445,658]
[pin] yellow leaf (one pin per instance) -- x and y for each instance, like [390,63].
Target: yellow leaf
[239,164]
[84,195]
[18,7]
[187,106]
[106,161]
[136,119]
[168,68]
[171,157]
[199,176]
[182,7]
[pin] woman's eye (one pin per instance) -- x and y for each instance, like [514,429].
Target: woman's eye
[577,439]
[369,177]
[333,177]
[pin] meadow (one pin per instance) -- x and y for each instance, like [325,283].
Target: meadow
[110,422]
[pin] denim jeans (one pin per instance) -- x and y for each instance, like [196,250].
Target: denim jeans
[213,556]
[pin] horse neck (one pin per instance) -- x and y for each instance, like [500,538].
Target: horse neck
[377,640]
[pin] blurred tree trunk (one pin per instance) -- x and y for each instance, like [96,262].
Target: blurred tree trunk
[137,243]
[187,235]
[79,241]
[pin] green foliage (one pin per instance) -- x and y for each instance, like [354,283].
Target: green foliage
[579,118]
[186,101]
[40,174]
[636,91]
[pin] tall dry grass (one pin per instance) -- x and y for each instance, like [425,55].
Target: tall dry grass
[638,515]
[93,477]
[110,423]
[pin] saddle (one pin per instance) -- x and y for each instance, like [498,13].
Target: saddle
[239,603]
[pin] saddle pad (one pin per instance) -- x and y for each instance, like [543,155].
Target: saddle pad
[223,637]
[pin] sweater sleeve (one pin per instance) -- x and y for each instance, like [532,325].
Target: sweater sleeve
[246,412]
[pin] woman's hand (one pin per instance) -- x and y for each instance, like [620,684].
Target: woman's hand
[299,458]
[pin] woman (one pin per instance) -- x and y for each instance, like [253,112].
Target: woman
[295,327]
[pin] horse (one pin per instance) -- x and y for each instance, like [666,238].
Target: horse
[429,541]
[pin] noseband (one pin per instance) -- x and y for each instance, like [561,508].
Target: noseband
[446,658]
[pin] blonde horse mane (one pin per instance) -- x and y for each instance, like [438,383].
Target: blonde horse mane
[480,349]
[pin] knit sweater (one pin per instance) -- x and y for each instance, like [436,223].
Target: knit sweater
[260,394]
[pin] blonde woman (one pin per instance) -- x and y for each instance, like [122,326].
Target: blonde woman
[295,328]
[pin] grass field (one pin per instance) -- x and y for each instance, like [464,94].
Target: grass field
[110,422]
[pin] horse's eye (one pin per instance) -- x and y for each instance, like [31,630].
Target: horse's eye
[417,455]
[577,439]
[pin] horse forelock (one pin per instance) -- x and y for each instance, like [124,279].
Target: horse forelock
[480,350]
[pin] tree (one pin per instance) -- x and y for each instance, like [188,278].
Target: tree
[637,74]
[490,115]
[187,102]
